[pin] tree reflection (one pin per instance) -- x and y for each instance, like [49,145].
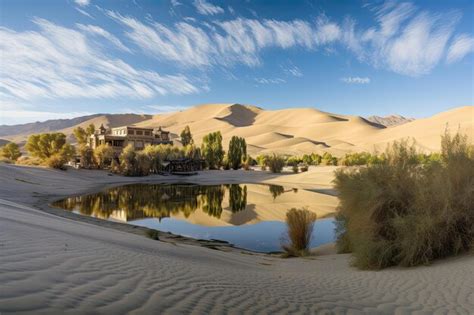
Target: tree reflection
[237,197]
[276,190]
[139,201]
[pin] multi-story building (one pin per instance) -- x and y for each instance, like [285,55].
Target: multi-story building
[118,138]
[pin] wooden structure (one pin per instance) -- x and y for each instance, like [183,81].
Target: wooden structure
[185,166]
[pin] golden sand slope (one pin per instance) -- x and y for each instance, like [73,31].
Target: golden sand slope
[293,131]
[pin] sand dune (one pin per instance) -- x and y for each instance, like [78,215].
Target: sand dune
[292,131]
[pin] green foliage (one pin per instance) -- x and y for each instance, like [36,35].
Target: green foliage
[50,148]
[237,152]
[82,135]
[135,163]
[275,163]
[58,160]
[212,150]
[262,161]
[103,155]
[247,163]
[10,151]
[300,223]
[87,157]
[186,136]
[328,159]
[401,212]
[45,145]
[90,129]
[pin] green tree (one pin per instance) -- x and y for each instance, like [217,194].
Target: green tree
[87,156]
[186,136]
[103,154]
[211,149]
[82,135]
[11,151]
[262,161]
[128,161]
[45,145]
[237,152]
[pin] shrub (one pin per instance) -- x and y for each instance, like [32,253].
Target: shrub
[275,163]
[103,154]
[29,161]
[399,212]
[300,223]
[294,168]
[10,151]
[56,161]
[262,161]
[87,157]
[304,168]
[328,159]
[247,163]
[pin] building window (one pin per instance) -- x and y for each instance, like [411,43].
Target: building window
[139,133]
[131,132]
[147,133]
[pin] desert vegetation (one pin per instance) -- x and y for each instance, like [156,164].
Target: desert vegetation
[10,152]
[408,209]
[300,223]
[50,148]
[212,150]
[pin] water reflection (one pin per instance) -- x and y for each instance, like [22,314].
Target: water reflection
[247,215]
[139,201]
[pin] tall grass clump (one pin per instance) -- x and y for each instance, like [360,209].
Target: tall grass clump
[300,223]
[401,212]
[275,163]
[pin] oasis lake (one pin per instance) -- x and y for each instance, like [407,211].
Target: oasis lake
[250,216]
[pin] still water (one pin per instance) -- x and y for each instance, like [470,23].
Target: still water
[250,216]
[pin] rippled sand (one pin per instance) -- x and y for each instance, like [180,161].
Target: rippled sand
[51,264]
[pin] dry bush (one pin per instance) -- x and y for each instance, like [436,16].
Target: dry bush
[399,212]
[29,161]
[300,224]
[56,161]
[275,163]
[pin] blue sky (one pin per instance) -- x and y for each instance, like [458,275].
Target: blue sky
[66,58]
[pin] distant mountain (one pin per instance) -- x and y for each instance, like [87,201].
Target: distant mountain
[390,121]
[45,126]
[3,142]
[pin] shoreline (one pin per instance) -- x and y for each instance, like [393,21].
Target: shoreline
[44,201]
[51,264]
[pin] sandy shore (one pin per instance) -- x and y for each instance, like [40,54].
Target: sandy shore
[53,264]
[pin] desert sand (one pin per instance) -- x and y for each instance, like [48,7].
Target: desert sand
[294,131]
[54,264]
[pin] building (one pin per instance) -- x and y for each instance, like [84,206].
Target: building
[118,138]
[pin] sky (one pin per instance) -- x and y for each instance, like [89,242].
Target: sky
[68,58]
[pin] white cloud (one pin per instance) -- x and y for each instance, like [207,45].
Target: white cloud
[82,3]
[59,62]
[229,42]
[461,46]
[293,70]
[269,81]
[206,8]
[356,80]
[98,31]
[84,13]
[406,40]
[175,3]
